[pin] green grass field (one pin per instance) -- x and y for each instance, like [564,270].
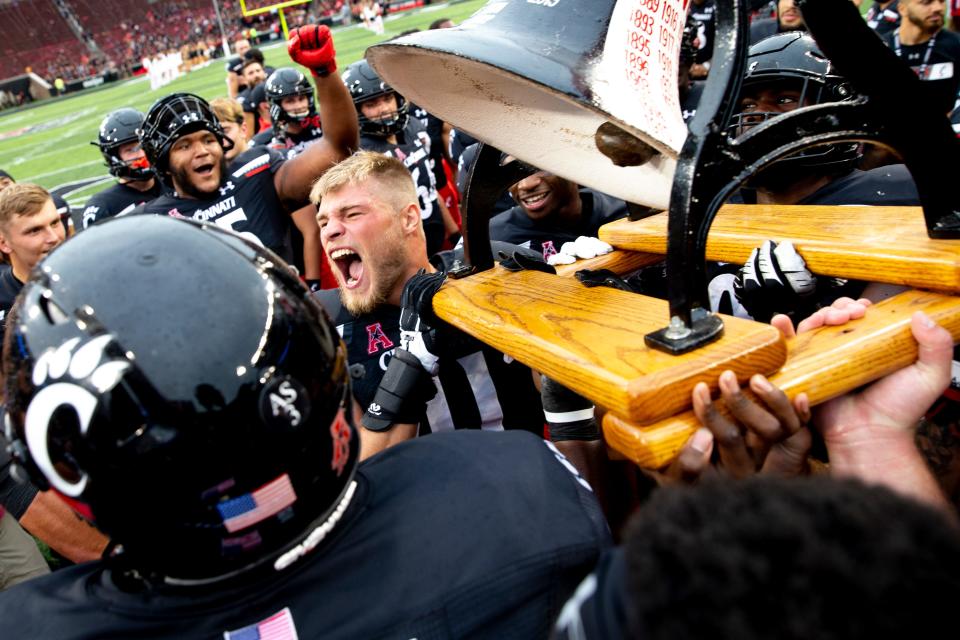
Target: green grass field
[53,147]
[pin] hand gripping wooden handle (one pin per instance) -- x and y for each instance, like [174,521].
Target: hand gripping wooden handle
[824,363]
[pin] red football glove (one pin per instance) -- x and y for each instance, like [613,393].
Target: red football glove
[312,47]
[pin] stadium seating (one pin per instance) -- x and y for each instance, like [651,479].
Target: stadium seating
[33,34]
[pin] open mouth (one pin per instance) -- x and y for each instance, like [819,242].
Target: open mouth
[204,170]
[350,265]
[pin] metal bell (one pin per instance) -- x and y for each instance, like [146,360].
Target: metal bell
[585,89]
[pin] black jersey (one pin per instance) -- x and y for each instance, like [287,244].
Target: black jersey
[890,185]
[243,99]
[476,390]
[763,28]
[600,606]
[264,138]
[9,289]
[413,149]
[546,236]
[705,14]
[247,203]
[936,62]
[434,128]
[293,144]
[883,21]
[459,142]
[458,535]
[117,199]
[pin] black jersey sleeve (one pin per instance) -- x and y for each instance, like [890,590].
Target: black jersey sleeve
[14,496]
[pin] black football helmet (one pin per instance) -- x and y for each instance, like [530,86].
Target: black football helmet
[364,83]
[286,82]
[793,60]
[172,117]
[183,390]
[117,129]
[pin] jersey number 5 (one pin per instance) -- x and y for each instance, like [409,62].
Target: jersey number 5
[237,216]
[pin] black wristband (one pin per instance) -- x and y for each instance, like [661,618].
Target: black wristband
[402,395]
[569,415]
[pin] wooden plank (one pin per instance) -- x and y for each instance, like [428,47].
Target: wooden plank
[824,363]
[876,244]
[620,262]
[591,340]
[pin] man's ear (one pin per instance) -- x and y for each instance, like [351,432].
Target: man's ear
[4,245]
[410,217]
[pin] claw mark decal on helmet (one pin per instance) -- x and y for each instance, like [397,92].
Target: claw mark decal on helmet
[340,432]
[85,372]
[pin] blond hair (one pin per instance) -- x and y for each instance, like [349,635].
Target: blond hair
[376,171]
[227,110]
[21,199]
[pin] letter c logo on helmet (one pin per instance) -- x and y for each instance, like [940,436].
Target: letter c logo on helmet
[62,376]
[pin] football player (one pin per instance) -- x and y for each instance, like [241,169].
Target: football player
[207,426]
[185,143]
[229,114]
[293,113]
[30,228]
[68,216]
[369,215]
[785,72]
[385,127]
[136,183]
[551,211]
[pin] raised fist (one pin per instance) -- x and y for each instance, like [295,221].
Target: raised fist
[312,47]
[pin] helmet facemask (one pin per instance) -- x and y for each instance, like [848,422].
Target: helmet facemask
[171,118]
[801,88]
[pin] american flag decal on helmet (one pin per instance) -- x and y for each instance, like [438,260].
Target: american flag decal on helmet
[279,626]
[251,508]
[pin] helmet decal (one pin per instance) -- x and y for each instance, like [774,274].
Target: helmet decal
[85,369]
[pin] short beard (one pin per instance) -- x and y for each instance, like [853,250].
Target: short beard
[181,180]
[919,23]
[388,268]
